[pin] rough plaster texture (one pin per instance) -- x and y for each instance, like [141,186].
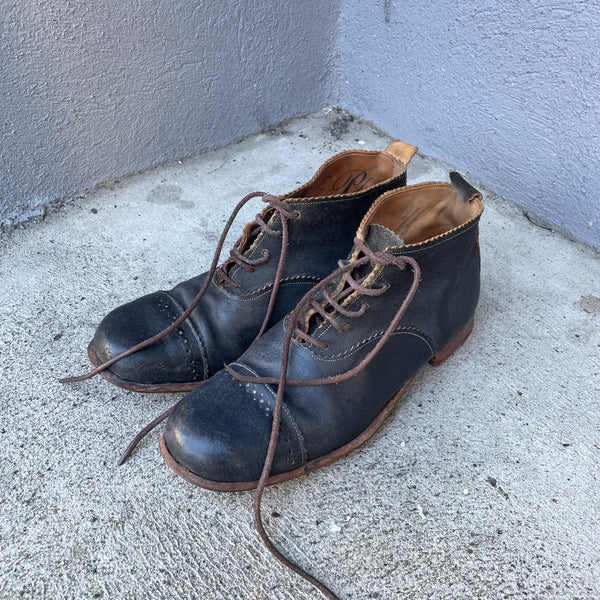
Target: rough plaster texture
[90,91]
[507,91]
[483,484]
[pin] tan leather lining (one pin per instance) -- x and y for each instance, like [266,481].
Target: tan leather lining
[340,175]
[422,212]
[351,172]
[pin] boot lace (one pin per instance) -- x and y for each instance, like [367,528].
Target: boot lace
[350,284]
[328,307]
[223,273]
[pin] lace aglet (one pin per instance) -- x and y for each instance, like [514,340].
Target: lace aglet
[132,445]
[75,378]
[128,451]
[141,435]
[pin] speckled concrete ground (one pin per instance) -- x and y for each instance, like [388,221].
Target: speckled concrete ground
[483,484]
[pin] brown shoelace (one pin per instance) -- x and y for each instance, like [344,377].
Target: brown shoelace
[293,330]
[349,285]
[236,257]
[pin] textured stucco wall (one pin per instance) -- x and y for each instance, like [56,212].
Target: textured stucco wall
[93,90]
[508,91]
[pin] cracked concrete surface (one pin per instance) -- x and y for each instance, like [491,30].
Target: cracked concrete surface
[483,484]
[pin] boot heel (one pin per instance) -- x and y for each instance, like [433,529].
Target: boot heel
[454,345]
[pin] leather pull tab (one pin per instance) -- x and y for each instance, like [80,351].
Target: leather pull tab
[401,151]
[463,188]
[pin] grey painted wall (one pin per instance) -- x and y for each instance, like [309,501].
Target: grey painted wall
[93,90]
[508,91]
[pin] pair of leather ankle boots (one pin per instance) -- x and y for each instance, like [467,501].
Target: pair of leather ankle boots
[296,348]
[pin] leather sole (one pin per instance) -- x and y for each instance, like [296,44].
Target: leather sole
[147,388]
[312,465]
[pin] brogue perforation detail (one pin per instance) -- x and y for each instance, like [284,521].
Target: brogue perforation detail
[197,369]
[290,417]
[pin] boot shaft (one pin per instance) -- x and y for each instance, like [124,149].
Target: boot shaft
[437,224]
[328,210]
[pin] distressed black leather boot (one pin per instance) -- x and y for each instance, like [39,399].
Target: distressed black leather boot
[321,382]
[177,339]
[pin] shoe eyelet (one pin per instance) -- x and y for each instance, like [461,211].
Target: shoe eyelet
[296,215]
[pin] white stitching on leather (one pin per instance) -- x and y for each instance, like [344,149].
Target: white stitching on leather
[281,282]
[445,239]
[245,299]
[356,347]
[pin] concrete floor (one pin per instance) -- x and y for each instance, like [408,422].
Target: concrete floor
[484,483]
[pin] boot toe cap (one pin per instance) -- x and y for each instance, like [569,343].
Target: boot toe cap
[220,432]
[176,358]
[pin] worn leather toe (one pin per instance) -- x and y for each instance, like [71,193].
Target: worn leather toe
[178,357]
[220,432]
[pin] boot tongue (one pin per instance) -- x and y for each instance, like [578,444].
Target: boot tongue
[379,238]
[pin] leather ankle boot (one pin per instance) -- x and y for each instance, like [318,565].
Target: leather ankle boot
[174,340]
[406,296]
[322,381]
